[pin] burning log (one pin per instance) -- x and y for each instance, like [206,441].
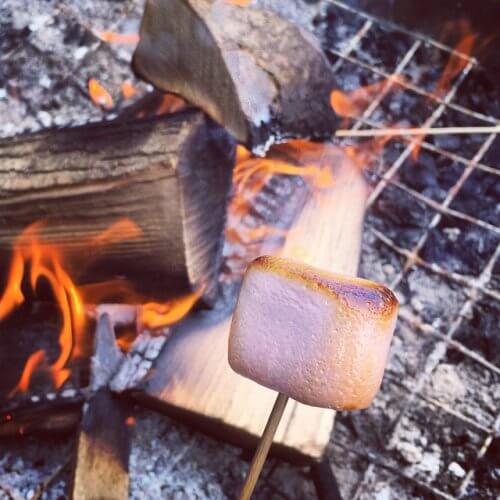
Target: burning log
[262,77]
[142,201]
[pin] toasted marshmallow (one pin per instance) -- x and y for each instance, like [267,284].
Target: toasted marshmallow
[321,338]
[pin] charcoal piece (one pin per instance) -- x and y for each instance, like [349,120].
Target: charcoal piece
[33,327]
[400,217]
[261,76]
[492,156]
[383,48]
[494,282]
[464,145]
[403,107]
[426,67]
[479,92]
[486,480]
[481,331]
[431,174]
[460,246]
[339,26]
[480,197]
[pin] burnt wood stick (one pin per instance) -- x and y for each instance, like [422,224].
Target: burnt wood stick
[264,78]
[102,455]
[170,176]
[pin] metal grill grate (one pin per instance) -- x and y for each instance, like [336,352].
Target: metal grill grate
[475,286]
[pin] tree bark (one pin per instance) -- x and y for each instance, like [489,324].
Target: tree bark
[264,78]
[169,176]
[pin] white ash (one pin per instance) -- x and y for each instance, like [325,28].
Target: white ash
[446,384]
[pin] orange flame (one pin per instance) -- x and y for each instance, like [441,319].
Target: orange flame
[46,261]
[153,315]
[353,104]
[99,95]
[170,104]
[456,64]
[121,38]
[313,162]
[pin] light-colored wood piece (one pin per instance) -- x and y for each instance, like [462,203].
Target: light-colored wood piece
[397,132]
[192,373]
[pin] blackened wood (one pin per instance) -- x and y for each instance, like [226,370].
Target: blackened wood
[101,468]
[324,480]
[261,76]
[33,327]
[43,416]
[101,465]
[170,176]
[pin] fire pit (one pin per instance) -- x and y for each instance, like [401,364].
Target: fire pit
[431,233]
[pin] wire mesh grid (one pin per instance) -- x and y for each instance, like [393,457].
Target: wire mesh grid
[475,285]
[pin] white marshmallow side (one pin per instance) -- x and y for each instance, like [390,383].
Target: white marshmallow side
[307,343]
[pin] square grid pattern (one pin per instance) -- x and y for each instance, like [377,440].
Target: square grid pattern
[444,239]
[426,247]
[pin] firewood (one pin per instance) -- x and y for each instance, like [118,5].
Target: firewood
[170,177]
[264,78]
[101,465]
[191,378]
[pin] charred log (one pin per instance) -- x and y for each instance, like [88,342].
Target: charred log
[262,77]
[170,177]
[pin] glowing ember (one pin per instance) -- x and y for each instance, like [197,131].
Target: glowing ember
[120,38]
[128,90]
[99,95]
[170,104]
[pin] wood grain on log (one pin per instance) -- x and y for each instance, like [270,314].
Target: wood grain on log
[265,79]
[191,378]
[169,176]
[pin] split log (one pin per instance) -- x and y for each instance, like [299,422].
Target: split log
[169,176]
[265,79]
[191,378]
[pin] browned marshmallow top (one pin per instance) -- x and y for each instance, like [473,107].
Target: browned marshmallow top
[321,338]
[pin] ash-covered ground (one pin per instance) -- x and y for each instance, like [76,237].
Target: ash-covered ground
[432,233]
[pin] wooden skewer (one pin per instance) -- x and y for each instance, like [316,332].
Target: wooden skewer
[265,443]
[384,132]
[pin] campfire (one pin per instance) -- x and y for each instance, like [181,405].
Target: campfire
[124,240]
